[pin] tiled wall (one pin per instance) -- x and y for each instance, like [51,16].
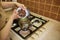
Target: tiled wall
[48,8]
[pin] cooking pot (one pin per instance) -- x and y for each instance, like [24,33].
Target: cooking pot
[24,22]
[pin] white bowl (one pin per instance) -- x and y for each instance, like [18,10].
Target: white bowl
[27,13]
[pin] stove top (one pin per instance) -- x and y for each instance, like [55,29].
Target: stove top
[36,24]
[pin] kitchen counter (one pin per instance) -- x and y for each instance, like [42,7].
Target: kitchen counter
[50,31]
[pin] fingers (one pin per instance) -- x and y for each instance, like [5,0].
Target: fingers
[15,12]
[22,6]
[18,16]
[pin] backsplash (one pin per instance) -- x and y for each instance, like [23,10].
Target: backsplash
[48,8]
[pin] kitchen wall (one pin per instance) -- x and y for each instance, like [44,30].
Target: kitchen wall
[48,8]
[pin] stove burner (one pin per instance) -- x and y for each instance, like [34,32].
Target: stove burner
[24,33]
[36,21]
[36,24]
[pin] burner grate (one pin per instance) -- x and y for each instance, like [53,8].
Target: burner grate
[37,23]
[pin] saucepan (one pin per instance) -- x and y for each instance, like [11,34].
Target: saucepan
[23,22]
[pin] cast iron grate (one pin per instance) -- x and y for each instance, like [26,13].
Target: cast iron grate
[33,29]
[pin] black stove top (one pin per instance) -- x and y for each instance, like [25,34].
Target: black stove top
[37,23]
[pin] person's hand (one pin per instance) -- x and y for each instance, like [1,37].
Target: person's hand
[20,5]
[15,15]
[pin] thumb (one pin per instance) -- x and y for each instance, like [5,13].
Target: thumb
[19,16]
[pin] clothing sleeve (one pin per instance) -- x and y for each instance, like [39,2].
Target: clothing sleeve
[2,17]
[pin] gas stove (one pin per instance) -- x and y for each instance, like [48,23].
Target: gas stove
[36,24]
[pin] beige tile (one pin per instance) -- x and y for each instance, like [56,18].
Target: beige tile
[47,7]
[41,6]
[35,10]
[56,2]
[42,1]
[40,12]
[36,4]
[48,1]
[31,0]
[53,16]
[59,11]
[37,0]
[46,13]
[54,9]
[58,17]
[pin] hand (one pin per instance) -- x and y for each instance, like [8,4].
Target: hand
[15,15]
[20,5]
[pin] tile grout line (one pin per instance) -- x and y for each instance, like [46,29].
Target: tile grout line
[44,7]
[50,8]
[57,11]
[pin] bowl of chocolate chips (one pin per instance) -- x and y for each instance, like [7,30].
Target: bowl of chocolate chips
[23,22]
